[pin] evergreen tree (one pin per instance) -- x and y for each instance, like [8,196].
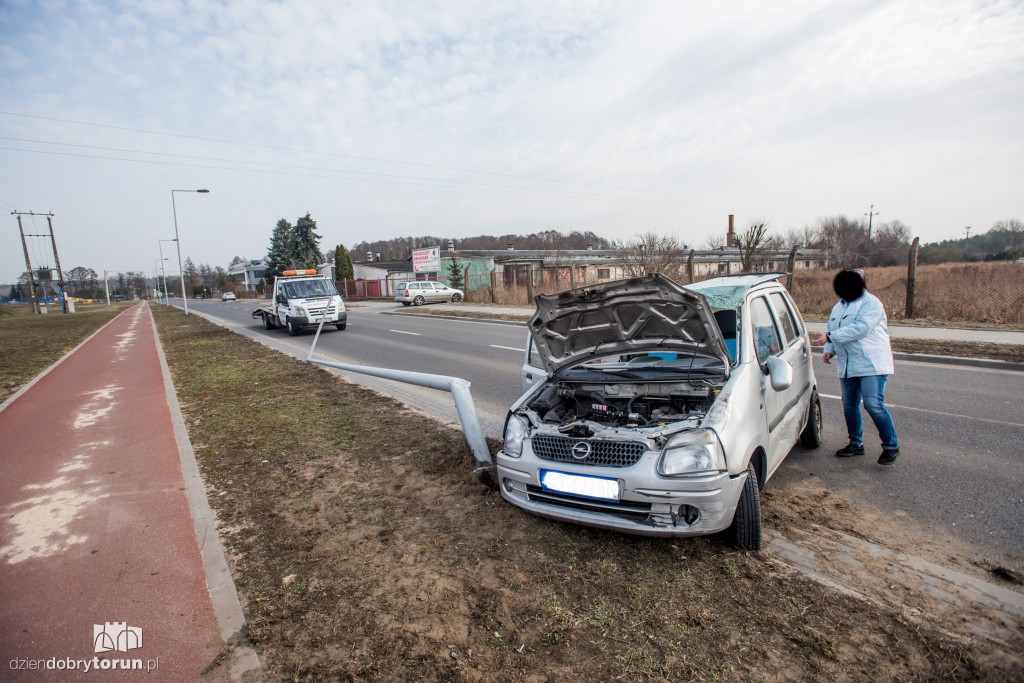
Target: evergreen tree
[455,275]
[305,245]
[343,269]
[278,254]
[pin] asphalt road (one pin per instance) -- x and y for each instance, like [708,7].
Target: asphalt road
[961,429]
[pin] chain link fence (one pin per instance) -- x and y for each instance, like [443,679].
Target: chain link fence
[983,293]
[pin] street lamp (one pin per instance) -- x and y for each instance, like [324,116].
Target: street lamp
[160,244]
[177,239]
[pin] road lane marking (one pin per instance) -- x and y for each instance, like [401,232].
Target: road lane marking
[509,348]
[937,412]
[415,334]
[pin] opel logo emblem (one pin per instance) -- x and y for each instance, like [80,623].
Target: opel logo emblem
[581,450]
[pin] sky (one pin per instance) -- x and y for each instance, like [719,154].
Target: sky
[400,118]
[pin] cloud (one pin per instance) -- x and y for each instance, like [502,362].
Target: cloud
[687,112]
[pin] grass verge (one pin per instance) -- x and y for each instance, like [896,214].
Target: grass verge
[363,548]
[30,343]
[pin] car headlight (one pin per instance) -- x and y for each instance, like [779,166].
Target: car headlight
[299,310]
[515,433]
[696,452]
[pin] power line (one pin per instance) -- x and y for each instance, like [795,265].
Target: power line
[434,183]
[725,200]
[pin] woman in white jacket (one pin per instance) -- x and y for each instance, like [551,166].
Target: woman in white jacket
[858,339]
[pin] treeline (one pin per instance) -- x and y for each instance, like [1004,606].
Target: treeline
[400,248]
[1004,241]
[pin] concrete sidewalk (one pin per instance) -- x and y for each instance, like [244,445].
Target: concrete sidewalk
[100,564]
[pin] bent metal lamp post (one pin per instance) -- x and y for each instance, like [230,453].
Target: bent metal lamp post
[177,239]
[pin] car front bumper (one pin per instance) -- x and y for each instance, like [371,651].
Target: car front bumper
[313,320]
[648,505]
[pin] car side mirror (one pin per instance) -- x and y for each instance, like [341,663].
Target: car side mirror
[281,299]
[780,372]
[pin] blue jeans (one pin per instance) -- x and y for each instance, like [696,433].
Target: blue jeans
[872,390]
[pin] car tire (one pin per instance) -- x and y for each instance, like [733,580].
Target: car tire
[745,531]
[419,301]
[456,297]
[341,326]
[810,437]
[406,303]
[290,326]
[266,321]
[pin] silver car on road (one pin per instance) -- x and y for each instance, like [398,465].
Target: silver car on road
[659,409]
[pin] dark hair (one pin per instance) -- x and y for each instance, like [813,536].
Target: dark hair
[849,284]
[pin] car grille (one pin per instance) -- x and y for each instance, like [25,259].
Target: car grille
[636,512]
[603,453]
[320,310]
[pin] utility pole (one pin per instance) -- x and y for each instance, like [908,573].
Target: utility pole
[968,231]
[870,214]
[28,266]
[56,260]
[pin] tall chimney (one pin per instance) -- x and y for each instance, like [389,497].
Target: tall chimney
[730,237]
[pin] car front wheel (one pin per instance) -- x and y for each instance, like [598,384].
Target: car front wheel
[456,297]
[745,532]
[292,329]
[341,326]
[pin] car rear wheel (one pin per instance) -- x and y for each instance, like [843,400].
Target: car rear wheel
[811,436]
[419,300]
[456,297]
[406,303]
[266,321]
[745,532]
[292,329]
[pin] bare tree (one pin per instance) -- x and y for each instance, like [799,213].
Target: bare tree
[844,240]
[805,237]
[891,244]
[715,241]
[1014,230]
[755,245]
[650,252]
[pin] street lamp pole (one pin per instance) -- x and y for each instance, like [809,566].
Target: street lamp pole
[160,243]
[177,238]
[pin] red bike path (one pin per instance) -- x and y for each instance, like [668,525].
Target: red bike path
[96,525]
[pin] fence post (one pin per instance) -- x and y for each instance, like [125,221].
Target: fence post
[689,266]
[791,266]
[494,285]
[912,276]
[529,283]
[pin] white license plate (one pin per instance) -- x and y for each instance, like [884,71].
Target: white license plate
[580,485]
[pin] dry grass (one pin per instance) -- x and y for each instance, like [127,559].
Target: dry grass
[29,343]
[953,293]
[364,549]
[980,293]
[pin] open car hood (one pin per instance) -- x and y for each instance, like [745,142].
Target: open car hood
[649,314]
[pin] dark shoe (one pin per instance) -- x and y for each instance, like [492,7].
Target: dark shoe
[850,449]
[888,456]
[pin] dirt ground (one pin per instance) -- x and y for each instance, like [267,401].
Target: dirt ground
[364,549]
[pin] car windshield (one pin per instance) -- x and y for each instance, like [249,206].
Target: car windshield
[305,289]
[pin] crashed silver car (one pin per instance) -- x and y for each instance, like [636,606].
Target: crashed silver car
[658,409]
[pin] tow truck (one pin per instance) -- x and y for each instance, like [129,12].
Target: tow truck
[303,298]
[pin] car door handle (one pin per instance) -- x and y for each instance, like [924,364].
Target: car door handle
[529,376]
